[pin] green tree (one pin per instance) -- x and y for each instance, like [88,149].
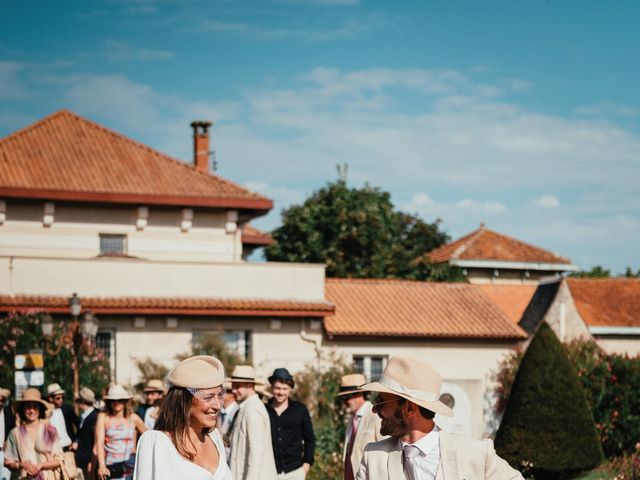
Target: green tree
[21,333]
[548,425]
[596,272]
[357,233]
[629,273]
[209,343]
[148,371]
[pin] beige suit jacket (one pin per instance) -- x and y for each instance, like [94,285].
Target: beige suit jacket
[461,457]
[368,431]
[251,449]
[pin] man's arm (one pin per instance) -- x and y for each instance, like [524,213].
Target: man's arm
[309,440]
[497,468]
[258,433]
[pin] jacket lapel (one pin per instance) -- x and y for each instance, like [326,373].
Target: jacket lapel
[448,468]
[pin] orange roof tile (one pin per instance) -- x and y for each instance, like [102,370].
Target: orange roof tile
[253,236]
[169,306]
[414,309]
[511,299]
[607,302]
[485,244]
[67,157]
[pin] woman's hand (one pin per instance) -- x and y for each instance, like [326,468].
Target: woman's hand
[103,472]
[31,468]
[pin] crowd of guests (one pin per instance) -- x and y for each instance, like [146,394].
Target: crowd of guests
[200,424]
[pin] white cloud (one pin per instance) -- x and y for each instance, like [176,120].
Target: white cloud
[11,86]
[422,200]
[547,201]
[605,109]
[117,51]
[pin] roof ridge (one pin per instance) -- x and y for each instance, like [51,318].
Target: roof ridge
[394,280]
[113,133]
[514,239]
[472,237]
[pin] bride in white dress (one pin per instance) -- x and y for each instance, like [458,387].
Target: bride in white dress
[184,442]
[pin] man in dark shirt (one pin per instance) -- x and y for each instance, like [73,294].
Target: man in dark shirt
[83,446]
[291,429]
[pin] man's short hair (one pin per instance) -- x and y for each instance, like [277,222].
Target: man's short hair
[425,412]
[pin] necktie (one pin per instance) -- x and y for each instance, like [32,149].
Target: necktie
[410,452]
[348,468]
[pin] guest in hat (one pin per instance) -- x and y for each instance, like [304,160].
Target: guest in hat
[85,437]
[116,434]
[62,417]
[291,430]
[152,392]
[185,442]
[33,447]
[363,426]
[408,399]
[262,389]
[251,448]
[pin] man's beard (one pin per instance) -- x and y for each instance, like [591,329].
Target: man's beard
[395,425]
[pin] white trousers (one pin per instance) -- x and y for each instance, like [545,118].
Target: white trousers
[292,475]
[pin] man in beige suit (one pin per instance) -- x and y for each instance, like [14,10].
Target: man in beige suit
[363,426]
[251,448]
[408,399]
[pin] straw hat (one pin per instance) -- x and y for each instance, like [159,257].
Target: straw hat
[5,393]
[201,371]
[54,389]
[33,395]
[87,396]
[117,392]
[244,373]
[154,385]
[350,384]
[414,380]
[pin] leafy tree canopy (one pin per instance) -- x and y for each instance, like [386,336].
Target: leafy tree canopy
[596,272]
[357,233]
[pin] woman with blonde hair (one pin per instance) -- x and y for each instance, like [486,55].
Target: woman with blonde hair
[185,442]
[33,447]
[116,436]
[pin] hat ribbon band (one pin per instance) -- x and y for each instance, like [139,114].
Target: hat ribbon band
[417,394]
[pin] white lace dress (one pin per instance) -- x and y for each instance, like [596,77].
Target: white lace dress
[158,459]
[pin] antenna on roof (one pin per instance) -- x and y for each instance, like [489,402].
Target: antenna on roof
[214,162]
[343,170]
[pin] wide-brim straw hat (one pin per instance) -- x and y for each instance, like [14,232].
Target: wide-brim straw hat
[54,389]
[32,395]
[244,373]
[350,384]
[117,392]
[154,385]
[201,371]
[414,380]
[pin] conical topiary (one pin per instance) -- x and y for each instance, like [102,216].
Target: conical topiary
[547,426]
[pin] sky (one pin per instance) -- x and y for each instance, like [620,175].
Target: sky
[524,115]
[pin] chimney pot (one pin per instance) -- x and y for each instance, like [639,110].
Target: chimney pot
[201,144]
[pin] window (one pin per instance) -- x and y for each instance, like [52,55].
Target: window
[112,244]
[105,342]
[370,366]
[236,341]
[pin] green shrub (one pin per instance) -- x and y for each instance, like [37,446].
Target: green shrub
[547,423]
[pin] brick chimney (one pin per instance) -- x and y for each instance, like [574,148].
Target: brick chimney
[201,144]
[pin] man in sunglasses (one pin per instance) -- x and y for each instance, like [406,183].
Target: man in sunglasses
[63,418]
[408,400]
[363,426]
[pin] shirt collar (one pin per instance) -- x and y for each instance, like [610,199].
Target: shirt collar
[428,442]
[86,413]
[363,408]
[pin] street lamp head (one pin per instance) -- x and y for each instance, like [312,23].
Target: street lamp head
[75,307]
[90,326]
[47,326]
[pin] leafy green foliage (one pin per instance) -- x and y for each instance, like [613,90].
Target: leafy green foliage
[629,273]
[21,333]
[148,371]
[547,424]
[356,233]
[596,272]
[316,387]
[611,383]
[209,343]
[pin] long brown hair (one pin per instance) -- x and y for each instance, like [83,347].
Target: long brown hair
[108,408]
[173,417]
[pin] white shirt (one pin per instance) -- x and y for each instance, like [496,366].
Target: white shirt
[229,412]
[85,414]
[429,458]
[158,459]
[57,420]
[150,417]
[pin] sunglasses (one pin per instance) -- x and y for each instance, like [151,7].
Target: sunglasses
[378,401]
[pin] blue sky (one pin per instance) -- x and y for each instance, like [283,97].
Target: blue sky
[524,115]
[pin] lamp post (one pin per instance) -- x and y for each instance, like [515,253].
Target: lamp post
[76,335]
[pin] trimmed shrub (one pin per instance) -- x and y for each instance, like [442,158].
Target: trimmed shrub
[547,424]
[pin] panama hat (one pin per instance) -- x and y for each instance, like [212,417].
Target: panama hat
[201,371]
[117,392]
[244,373]
[414,380]
[350,384]
[87,396]
[54,389]
[33,395]
[154,385]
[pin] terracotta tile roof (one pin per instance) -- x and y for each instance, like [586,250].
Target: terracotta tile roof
[169,306]
[485,244]
[512,300]
[253,236]
[607,302]
[403,308]
[67,157]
